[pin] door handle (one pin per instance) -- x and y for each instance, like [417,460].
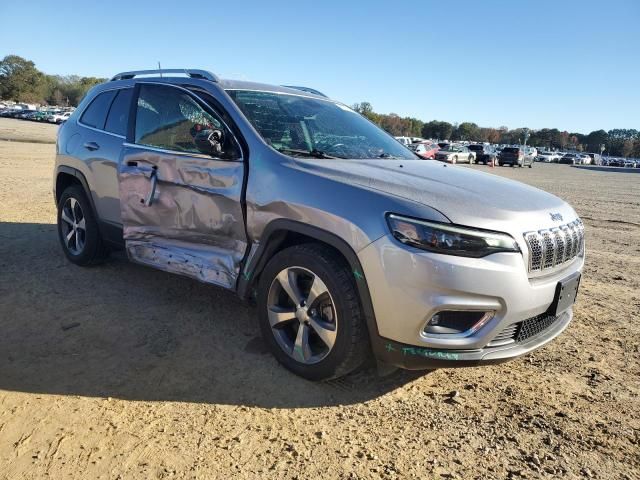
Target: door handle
[154,184]
[91,146]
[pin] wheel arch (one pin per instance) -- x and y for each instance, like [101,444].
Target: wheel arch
[66,176]
[283,233]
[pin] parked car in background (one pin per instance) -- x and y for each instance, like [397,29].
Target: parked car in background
[485,154]
[514,156]
[531,153]
[24,114]
[570,159]
[596,158]
[456,154]
[406,141]
[425,150]
[59,117]
[585,159]
[628,163]
[547,157]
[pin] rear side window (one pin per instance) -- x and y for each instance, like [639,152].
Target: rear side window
[171,119]
[511,150]
[119,112]
[96,113]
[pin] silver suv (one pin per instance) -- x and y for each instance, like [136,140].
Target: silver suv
[349,243]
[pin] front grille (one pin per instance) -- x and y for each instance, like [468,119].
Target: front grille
[521,331]
[552,247]
[506,336]
[533,326]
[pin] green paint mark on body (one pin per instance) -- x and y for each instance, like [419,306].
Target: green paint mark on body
[358,275]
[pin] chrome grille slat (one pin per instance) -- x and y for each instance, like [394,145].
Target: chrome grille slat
[549,248]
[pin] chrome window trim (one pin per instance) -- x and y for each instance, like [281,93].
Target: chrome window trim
[89,104]
[175,152]
[190,154]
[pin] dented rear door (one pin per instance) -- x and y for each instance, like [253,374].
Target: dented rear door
[181,178]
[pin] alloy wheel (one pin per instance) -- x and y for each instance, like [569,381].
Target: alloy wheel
[302,315]
[73,223]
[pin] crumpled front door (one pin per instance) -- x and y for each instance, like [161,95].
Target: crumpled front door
[183,213]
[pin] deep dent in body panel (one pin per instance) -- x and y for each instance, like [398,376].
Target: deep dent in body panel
[191,228]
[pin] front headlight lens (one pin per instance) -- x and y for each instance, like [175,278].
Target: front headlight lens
[449,239]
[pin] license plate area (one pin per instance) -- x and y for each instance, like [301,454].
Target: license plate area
[566,292]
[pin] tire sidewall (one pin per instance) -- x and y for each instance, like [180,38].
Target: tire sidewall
[328,366]
[91,227]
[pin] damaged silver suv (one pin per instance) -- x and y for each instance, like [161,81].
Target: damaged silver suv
[352,246]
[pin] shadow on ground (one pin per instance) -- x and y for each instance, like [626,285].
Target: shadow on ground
[126,331]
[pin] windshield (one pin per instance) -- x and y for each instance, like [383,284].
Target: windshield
[298,125]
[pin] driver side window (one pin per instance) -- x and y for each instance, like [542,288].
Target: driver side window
[171,119]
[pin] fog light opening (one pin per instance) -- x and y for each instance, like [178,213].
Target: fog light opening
[453,322]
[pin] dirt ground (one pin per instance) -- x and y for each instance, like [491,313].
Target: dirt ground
[120,371]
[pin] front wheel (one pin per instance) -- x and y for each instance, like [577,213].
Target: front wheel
[454,160]
[470,159]
[310,314]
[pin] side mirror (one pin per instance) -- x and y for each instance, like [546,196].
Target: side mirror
[209,142]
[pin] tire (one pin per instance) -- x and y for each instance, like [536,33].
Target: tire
[454,160]
[338,309]
[470,160]
[85,246]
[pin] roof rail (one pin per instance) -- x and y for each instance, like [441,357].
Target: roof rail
[202,74]
[306,89]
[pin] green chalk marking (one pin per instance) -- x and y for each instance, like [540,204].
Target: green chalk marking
[358,275]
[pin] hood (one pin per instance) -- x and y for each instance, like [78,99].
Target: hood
[465,196]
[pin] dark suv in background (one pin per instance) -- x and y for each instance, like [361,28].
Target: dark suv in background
[484,153]
[514,156]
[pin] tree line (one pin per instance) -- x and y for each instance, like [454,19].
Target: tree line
[21,81]
[617,142]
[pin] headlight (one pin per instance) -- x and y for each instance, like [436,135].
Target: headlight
[449,239]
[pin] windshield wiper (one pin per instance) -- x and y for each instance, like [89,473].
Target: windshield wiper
[315,153]
[387,155]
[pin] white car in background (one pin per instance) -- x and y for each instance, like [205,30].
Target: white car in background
[406,141]
[59,117]
[548,157]
[585,159]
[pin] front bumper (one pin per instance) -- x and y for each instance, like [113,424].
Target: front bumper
[419,358]
[408,286]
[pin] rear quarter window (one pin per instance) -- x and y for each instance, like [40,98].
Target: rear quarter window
[96,113]
[119,112]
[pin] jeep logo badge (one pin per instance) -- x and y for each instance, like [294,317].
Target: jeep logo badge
[556,217]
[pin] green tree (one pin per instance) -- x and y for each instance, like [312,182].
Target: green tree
[466,131]
[21,81]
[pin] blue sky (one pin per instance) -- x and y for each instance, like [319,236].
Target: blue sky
[572,65]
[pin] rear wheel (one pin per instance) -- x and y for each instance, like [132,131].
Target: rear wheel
[309,312]
[78,228]
[470,159]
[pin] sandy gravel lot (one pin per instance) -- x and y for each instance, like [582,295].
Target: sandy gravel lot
[120,371]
